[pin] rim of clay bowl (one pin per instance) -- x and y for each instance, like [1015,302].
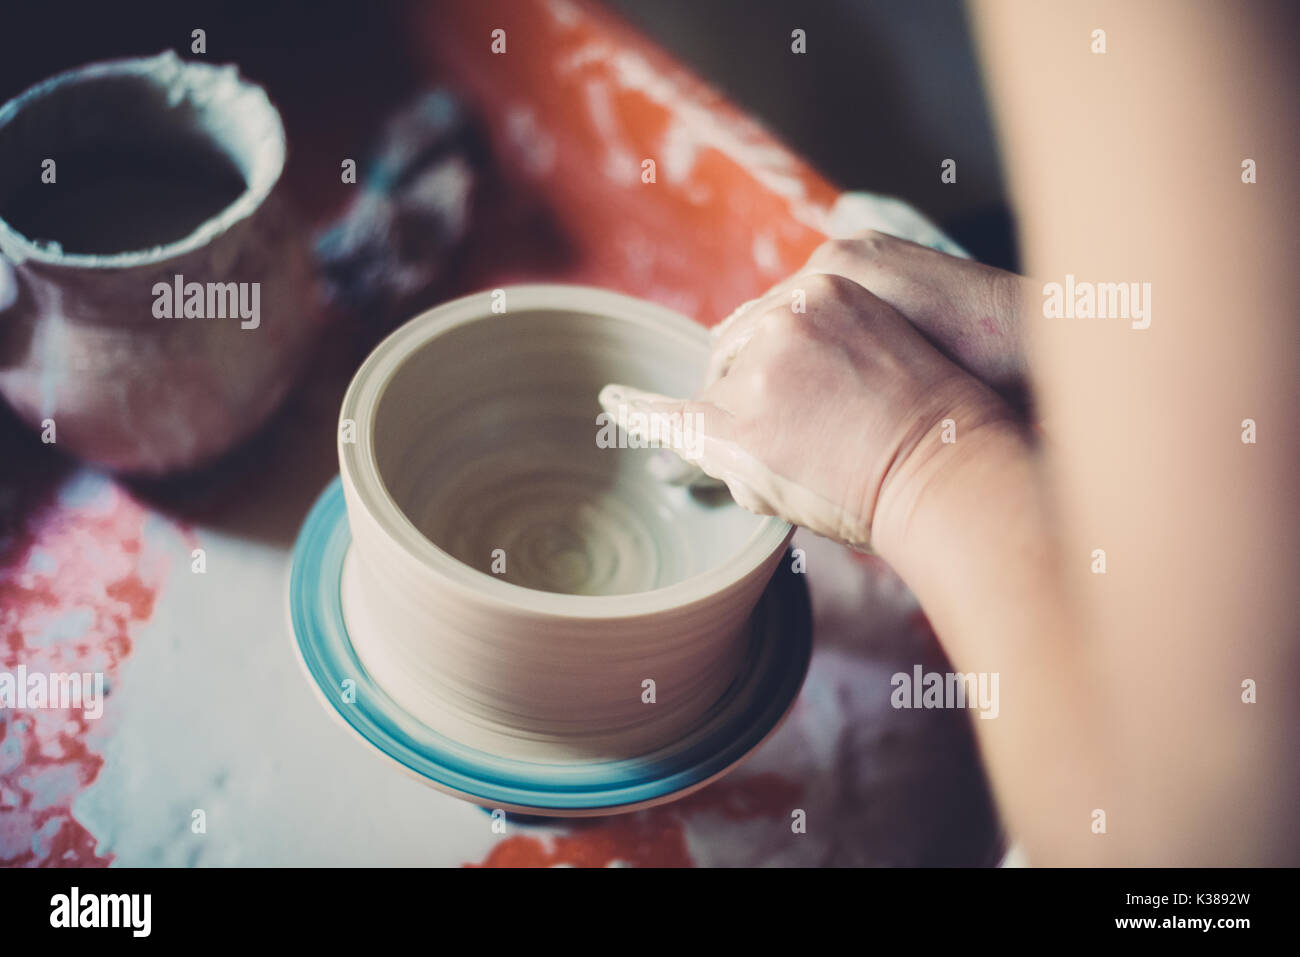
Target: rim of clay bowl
[360,469]
[184,80]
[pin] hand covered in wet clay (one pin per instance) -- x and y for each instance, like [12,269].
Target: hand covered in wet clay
[829,401]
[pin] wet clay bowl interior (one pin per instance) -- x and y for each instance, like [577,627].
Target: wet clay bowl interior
[512,583]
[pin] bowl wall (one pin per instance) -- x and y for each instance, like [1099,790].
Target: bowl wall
[470,437]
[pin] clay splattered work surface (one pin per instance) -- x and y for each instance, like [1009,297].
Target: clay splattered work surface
[206,708]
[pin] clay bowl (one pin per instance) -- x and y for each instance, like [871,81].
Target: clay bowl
[513,584]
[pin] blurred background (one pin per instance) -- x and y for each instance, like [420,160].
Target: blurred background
[887,91]
[207,707]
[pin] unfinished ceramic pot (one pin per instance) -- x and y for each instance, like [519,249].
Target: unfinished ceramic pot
[154,295]
[513,583]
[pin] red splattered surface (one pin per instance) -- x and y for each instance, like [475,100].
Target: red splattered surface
[75,583]
[573,110]
[651,838]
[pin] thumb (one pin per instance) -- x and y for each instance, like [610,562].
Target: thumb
[701,434]
[660,421]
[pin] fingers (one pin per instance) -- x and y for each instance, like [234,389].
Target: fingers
[735,332]
[970,311]
[729,337]
[701,433]
[671,469]
[907,274]
[660,421]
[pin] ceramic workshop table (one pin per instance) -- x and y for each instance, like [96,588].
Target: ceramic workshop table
[177,590]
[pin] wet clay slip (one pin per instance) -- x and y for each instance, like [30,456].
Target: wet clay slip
[510,582]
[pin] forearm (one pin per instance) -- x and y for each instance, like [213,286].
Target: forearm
[1152,461]
[972,535]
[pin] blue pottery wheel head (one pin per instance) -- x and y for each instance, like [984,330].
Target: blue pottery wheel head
[749,711]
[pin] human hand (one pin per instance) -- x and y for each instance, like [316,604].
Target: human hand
[826,417]
[971,312]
